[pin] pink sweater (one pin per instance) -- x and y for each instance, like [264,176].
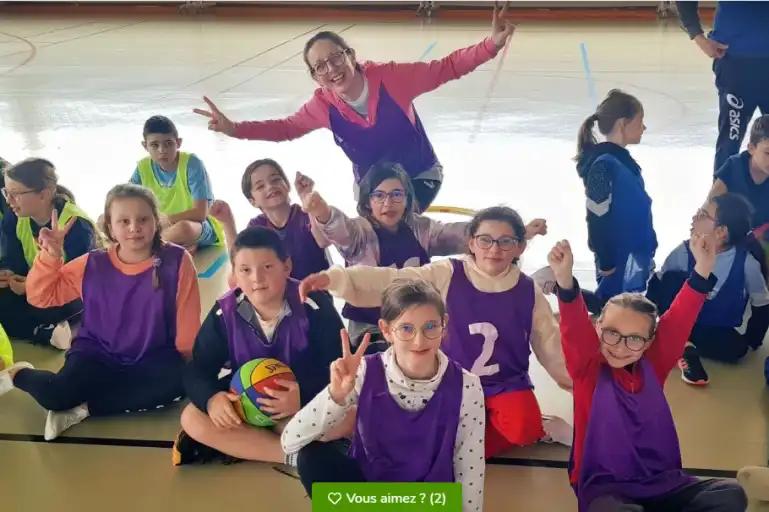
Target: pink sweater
[403,81]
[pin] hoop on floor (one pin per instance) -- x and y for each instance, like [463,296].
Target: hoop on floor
[457,210]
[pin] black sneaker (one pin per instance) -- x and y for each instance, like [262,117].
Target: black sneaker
[188,451]
[692,371]
[43,334]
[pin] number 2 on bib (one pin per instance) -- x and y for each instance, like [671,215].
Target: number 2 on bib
[490,336]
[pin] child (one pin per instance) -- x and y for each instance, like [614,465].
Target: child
[262,317]
[266,187]
[34,195]
[387,234]
[715,335]
[419,415]
[626,454]
[497,317]
[746,174]
[180,182]
[369,106]
[619,216]
[140,315]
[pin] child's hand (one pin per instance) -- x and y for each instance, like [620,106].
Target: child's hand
[561,261]
[536,227]
[314,204]
[313,283]
[218,122]
[221,211]
[18,284]
[283,404]
[345,369]
[303,184]
[221,411]
[51,240]
[501,30]
[703,248]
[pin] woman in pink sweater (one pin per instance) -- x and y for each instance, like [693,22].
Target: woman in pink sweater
[369,106]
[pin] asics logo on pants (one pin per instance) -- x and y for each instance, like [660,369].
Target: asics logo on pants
[735,115]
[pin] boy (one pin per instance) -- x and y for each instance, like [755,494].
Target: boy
[181,184]
[262,317]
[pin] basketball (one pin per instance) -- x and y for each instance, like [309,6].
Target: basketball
[249,381]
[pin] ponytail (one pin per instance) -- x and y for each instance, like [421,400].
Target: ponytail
[586,138]
[617,105]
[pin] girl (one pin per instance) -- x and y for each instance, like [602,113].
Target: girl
[619,217]
[262,317]
[497,316]
[626,454]
[715,335]
[369,106]
[387,233]
[140,315]
[266,187]
[401,394]
[33,194]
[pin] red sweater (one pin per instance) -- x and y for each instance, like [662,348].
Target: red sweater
[581,347]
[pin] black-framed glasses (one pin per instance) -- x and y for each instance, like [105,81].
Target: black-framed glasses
[336,59]
[8,195]
[506,243]
[431,330]
[634,342]
[396,196]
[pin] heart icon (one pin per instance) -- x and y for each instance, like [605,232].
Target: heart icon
[334,497]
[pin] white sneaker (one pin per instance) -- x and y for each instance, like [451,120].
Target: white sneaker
[62,336]
[557,430]
[58,422]
[545,279]
[6,383]
[755,481]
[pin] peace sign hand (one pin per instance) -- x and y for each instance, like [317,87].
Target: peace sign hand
[51,240]
[218,122]
[345,369]
[501,29]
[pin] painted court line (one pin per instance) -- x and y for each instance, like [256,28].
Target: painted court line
[214,267]
[154,443]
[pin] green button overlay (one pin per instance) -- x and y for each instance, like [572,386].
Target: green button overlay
[386,497]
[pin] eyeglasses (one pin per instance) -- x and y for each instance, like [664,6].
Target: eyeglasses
[336,59]
[396,196]
[703,214]
[431,330]
[8,195]
[505,243]
[633,341]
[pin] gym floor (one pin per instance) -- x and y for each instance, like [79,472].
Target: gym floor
[77,90]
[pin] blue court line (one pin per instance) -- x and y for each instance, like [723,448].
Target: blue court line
[428,50]
[588,74]
[214,267]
